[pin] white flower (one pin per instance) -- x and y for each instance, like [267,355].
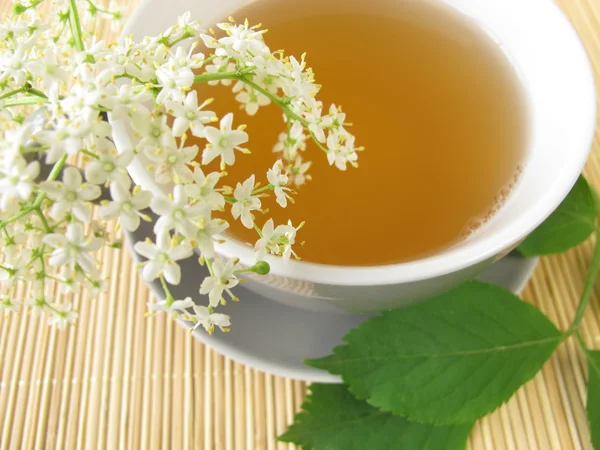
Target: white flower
[66,137]
[176,309]
[73,248]
[177,213]
[279,180]
[127,103]
[63,316]
[297,171]
[17,268]
[50,69]
[315,122]
[176,76]
[205,236]
[208,320]
[185,23]
[268,241]
[174,83]
[203,188]
[341,150]
[16,64]
[71,195]
[300,85]
[220,65]
[268,72]
[288,239]
[154,130]
[252,100]
[126,206]
[223,142]
[222,279]
[245,202]
[162,258]
[291,142]
[242,42]
[335,119]
[38,304]
[109,167]
[172,163]
[8,305]
[17,181]
[189,115]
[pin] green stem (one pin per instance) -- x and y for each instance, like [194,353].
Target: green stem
[216,77]
[321,146]
[53,176]
[268,187]
[589,287]
[75,25]
[20,9]
[177,41]
[275,99]
[13,92]
[37,93]
[42,217]
[97,8]
[90,154]
[168,296]
[27,100]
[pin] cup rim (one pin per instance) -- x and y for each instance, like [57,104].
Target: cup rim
[451,260]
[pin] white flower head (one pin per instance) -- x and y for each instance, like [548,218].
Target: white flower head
[172,163]
[245,202]
[176,76]
[203,188]
[71,195]
[109,167]
[208,230]
[208,320]
[189,115]
[297,171]
[17,180]
[73,248]
[9,305]
[277,241]
[175,308]
[241,42]
[291,142]
[63,316]
[252,100]
[341,150]
[279,180]
[223,279]
[177,213]
[127,103]
[223,141]
[126,205]
[220,65]
[162,258]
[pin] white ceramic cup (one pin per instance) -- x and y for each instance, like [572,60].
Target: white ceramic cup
[559,84]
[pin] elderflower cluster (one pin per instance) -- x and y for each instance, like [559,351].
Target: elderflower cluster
[65,190]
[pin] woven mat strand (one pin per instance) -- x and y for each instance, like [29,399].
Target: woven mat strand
[118,380]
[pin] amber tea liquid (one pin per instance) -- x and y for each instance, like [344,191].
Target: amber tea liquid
[433,99]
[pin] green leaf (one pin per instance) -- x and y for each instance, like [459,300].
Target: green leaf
[593,395]
[451,359]
[332,419]
[568,226]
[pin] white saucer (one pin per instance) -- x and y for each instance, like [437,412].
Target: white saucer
[275,338]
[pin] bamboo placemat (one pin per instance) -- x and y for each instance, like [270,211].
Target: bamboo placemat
[120,380]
